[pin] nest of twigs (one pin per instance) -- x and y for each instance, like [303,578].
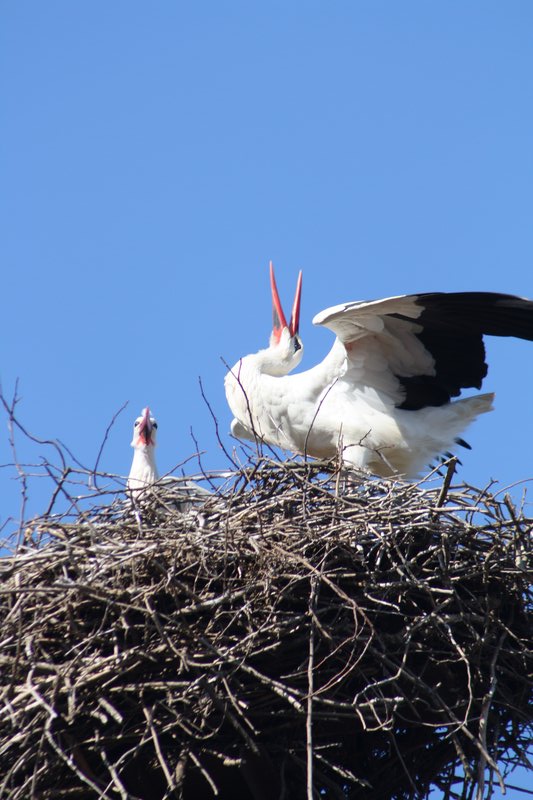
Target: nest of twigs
[294,636]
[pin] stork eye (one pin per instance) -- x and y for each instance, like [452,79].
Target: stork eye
[136,423]
[154,424]
[297,344]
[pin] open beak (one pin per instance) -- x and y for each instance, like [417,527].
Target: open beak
[145,428]
[278,317]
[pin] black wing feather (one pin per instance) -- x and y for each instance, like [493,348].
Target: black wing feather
[453,325]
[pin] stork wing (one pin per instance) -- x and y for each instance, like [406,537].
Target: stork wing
[432,343]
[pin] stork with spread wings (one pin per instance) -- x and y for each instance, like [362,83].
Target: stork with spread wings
[384,393]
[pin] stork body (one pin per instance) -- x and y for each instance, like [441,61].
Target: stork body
[383,394]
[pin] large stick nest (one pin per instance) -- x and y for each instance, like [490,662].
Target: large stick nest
[293,637]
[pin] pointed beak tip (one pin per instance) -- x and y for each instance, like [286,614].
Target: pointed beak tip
[295,316]
[278,317]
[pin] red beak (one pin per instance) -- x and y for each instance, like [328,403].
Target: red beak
[145,428]
[294,324]
[278,317]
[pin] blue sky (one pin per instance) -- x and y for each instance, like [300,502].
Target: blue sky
[154,157]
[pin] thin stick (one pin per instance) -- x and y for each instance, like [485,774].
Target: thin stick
[310,689]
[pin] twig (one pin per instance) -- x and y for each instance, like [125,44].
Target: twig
[104,440]
[310,689]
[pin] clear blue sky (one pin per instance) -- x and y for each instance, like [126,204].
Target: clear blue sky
[155,156]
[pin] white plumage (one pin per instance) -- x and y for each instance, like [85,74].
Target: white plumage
[143,470]
[383,394]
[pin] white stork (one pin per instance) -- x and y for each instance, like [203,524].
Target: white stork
[383,394]
[143,472]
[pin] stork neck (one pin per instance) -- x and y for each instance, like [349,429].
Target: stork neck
[271,361]
[143,468]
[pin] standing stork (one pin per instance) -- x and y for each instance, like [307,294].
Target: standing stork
[383,394]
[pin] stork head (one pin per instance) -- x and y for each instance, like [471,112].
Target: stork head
[144,430]
[285,343]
